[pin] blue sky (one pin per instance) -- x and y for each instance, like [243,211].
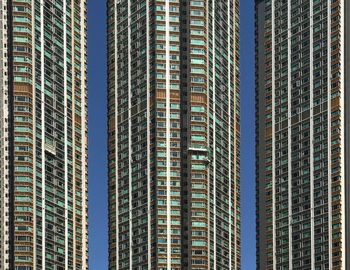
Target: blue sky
[98,135]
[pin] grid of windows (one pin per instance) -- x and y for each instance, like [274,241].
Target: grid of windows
[48,151]
[4,140]
[164,160]
[300,160]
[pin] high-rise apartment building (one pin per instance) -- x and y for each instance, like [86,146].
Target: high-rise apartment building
[303,134]
[174,134]
[43,135]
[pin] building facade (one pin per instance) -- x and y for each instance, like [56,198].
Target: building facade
[174,134]
[43,135]
[302,106]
